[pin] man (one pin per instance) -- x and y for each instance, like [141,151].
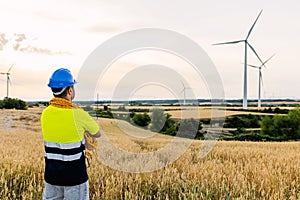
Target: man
[64,125]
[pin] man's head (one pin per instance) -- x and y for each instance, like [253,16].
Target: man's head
[66,93]
[62,84]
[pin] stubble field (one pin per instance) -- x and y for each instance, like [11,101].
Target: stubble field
[232,170]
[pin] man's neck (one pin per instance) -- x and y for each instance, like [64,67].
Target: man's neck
[67,98]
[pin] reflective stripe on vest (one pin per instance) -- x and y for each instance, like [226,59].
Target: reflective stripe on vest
[64,146]
[64,152]
[54,156]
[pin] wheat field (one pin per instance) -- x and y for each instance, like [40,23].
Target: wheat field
[232,170]
[204,112]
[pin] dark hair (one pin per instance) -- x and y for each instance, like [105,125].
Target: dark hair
[62,95]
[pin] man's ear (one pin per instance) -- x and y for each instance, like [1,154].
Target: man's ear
[70,90]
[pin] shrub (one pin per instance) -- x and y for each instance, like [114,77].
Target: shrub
[157,120]
[161,122]
[104,114]
[141,119]
[243,121]
[282,126]
[88,108]
[190,128]
[12,103]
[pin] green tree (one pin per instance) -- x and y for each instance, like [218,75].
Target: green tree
[169,127]
[294,118]
[12,103]
[141,119]
[157,120]
[267,126]
[22,105]
[234,122]
[243,121]
[161,122]
[282,126]
[190,128]
[105,108]
[104,114]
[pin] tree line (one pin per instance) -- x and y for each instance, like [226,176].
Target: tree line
[12,103]
[285,126]
[157,121]
[272,127]
[162,122]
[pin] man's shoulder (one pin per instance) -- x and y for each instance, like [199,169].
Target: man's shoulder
[48,109]
[79,111]
[51,109]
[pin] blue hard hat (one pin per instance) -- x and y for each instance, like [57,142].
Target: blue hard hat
[61,78]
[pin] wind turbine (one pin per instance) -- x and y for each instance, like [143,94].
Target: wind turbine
[260,81]
[183,91]
[245,62]
[7,79]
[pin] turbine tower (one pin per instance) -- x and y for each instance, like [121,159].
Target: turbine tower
[184,94]
[245,62]
[260,80]
[7,80]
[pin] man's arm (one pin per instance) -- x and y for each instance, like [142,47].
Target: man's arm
[91,125]
[97,135]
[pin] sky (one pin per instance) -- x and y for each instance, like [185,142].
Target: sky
[38,37]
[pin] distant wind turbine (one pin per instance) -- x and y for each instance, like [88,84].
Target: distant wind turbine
[260,80]
[184,93]
[8,82]
[245,62]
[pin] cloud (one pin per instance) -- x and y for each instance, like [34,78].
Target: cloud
[19,42]
[3,41]
[33,49]
[102,29]
[20,37]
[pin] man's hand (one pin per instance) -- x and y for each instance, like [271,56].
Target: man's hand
[97,135]
[90,140]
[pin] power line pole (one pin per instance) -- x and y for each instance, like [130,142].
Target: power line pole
[97,103]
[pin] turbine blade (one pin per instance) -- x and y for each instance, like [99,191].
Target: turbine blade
[253,25]
[253,66]
[10,68]
[255,53]
[268,60]
[2,73]
[232,42]
[182,84]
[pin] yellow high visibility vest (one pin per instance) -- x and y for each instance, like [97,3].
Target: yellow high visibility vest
[66,125]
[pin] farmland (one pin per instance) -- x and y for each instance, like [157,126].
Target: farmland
[232,170]
[200,112]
